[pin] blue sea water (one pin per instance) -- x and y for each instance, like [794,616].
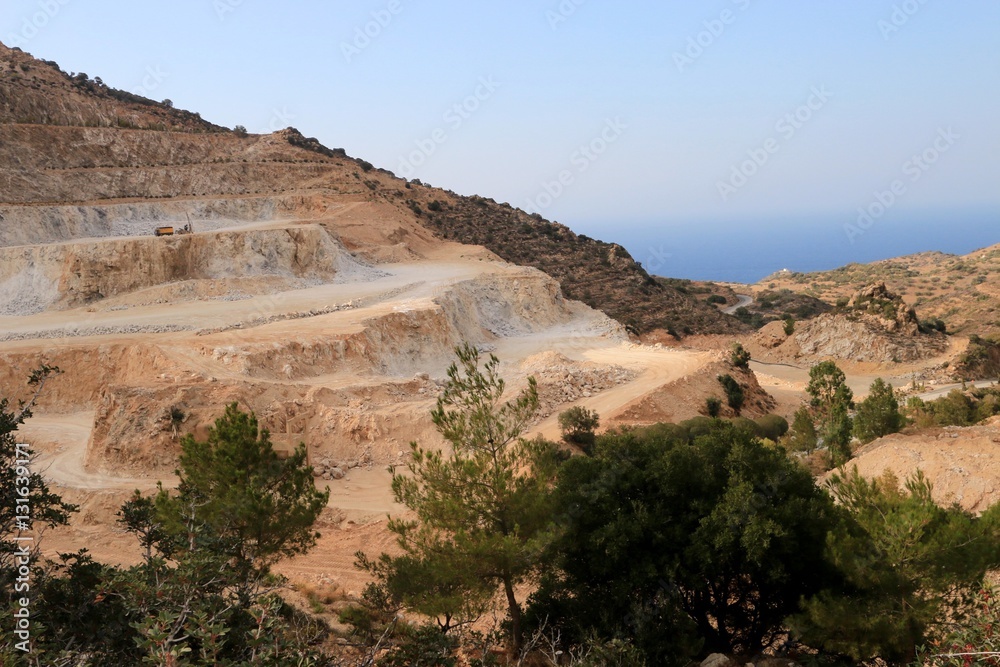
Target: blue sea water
[747,251]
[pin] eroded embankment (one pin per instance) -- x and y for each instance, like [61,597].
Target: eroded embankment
[47,277]
[408,339]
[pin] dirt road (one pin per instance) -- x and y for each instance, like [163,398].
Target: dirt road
[61,443]
[656,368]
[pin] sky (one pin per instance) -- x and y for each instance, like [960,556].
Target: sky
[718,139]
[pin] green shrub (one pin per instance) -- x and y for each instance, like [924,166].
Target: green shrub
[739,357]
[772,427]
[425,646]
[746,426]
[734,392]
[955,409]
[578,426]
[712,406]
[697,426]
[878,415]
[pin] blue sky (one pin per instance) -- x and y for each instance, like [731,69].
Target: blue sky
[642,122]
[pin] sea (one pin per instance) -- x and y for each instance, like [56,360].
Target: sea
[747,251]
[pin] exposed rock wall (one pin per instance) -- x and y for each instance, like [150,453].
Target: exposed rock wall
[56,276]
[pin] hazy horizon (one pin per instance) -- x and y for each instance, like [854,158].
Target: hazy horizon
[618,121]
[741,253]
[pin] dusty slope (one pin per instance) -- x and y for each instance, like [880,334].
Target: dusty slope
[962,463]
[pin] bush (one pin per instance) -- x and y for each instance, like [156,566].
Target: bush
[802,436]
[716,544]
[739,357]
[734,392]
[746,425]
[578,425]
[712,406]
[672,432]
[878,415]
[789,326]
[425,646]
[955,646]
[772,427]
[240,132]
[716,298]
[697,426]
[908,565]
[955,409]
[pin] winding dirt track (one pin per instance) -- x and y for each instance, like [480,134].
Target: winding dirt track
[656,367]
[360,502]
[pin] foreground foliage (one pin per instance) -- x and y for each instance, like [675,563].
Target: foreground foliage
[910,565]
[685,546]
[203,593]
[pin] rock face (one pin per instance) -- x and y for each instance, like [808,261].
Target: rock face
[59,276]
[876,326]
[881,309]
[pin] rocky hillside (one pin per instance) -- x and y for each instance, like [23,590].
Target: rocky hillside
[602,275]
[875,325]
[962,291]
[76,156]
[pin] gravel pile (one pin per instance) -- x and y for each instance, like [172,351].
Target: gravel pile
[73,332]
[567,383]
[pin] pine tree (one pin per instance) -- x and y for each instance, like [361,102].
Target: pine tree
[908,565]
[802,437]
[483,509]
[831,402]
[878,415]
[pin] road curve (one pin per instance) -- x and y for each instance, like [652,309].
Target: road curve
[744,301]
[941,392]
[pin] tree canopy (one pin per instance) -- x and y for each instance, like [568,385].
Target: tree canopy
[673,543]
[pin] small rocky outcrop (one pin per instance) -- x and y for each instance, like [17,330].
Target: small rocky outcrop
[882,309]
[876,326]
